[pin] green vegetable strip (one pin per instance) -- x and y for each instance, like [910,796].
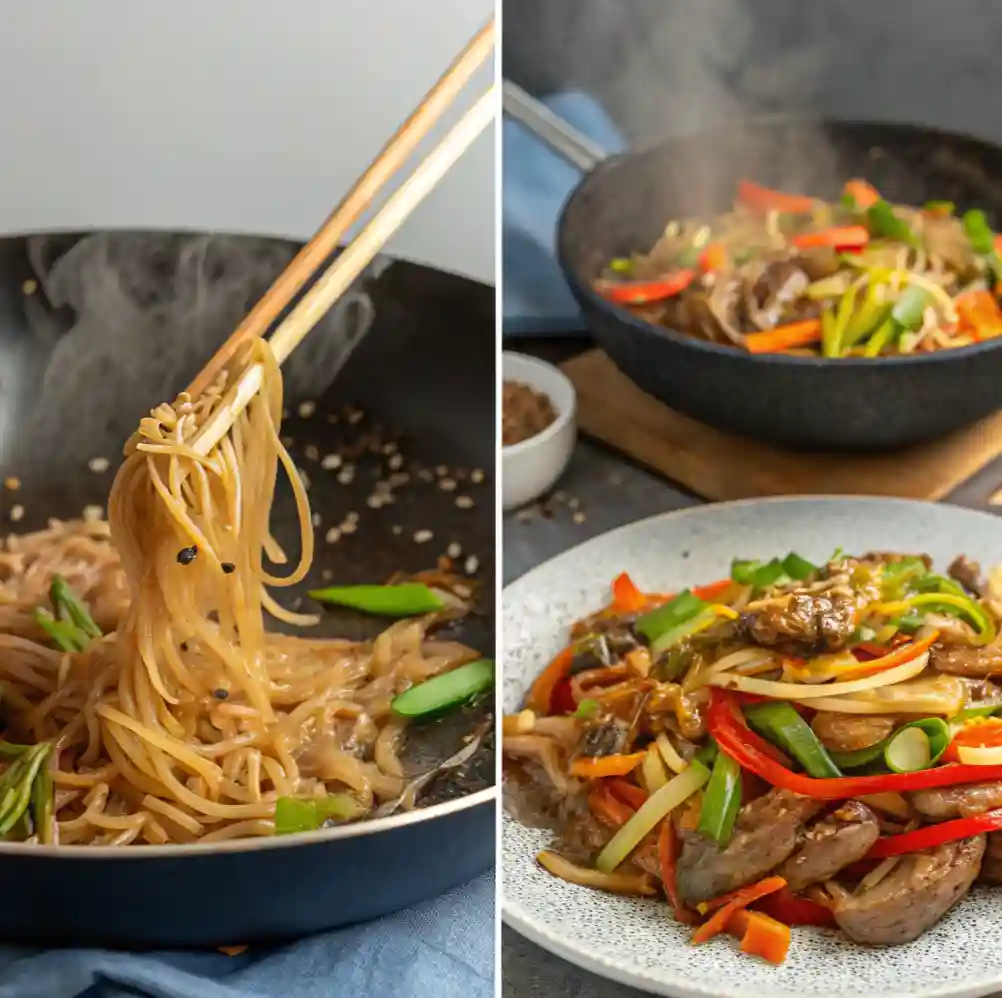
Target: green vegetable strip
[587,708]
[798,568]
[721,801]
[880,339]
[306,814]
[860,758]
[450,689]
[43,804]
[866,320]
[17,785]
[678,610]
[846,307]
[784,727]
[909,309]
[978,232]
[707,754]
[884,224]
[66,605]
[829,334]
[408,599]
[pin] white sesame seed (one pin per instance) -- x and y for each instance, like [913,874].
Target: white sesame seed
[351,516]
[472,564]
[560,496]
[476,476]
[16,513]
[579,517]
[375,501]
[396,462]
[355,416]
[454,550]
[389,447]
[99,465]
[286,442]
[333,535]
[464,502]
[29,287]
[312,453]
[441,471]
[573,503]
[447,484]
[327,575]
[423,536]
[401,478]
[316,520]
[347,475]
[332,418]
[425,475]
[306,409]
[349,526]
[396,529]
[92,513]
[331,462]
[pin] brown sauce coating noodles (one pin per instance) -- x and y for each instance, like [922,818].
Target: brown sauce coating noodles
[187,720]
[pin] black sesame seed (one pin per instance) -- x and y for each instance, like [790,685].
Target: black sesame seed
[187,555]
[220,694]
[184,646]
[229,568]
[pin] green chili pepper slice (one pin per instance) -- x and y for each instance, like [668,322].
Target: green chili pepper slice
[408,599]
[785,728]
[884,224]
[978,231]
[917,745]
[306,814]
[707,754]
[451,689]
[909,309]
[721,801]
[860,758]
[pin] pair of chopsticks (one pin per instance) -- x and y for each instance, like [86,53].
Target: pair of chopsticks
[364,247]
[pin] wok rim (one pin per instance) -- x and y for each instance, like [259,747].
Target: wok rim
[591,301]
[255,844]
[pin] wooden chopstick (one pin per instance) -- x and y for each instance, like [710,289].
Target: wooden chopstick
[391,157]
[351,262]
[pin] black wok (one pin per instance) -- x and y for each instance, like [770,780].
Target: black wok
[622,205]
[425,379]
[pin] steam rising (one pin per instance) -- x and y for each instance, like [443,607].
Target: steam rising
[131,317]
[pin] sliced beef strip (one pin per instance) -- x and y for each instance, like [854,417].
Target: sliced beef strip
[968,574]
[830,844]
[963,660]
[964,801]
[991,865]
[803,624]
[915,895]
[851,732]
[766,833]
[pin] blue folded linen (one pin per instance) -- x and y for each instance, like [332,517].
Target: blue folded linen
[535,184]
[442,948]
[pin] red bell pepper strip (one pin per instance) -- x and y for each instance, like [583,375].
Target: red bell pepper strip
[749,750]
[608,808]
[935,835]
[626,597]
[713,590]
[645,292]
[838,238]
[986,733]
[562,701]
[788,907]
[628,793]
[764,199]
[540,696]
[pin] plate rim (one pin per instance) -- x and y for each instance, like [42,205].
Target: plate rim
[516,918]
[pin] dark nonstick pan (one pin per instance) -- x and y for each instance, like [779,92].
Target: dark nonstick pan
[420,386]
[623,203]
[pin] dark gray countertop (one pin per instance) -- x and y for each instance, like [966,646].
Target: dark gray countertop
[610,491]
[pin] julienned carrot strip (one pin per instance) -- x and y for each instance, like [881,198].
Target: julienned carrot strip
[844,236]
[666,860]
[712,590]
[546,682]
[764,199]
[738,900]
[979,314]
[607,807]
[596,767]
[713,257]
[628,793]
[796,334]
[626,597]
[765,937]
[862,192]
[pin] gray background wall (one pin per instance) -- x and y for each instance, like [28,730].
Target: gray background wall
[669,66]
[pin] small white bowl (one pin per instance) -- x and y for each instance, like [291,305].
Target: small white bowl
[532,467]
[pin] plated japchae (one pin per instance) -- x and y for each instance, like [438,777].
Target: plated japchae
[789,273]
[797,744]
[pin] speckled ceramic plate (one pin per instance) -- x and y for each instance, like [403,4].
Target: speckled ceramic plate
[636,942]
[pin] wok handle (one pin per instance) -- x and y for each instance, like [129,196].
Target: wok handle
[562,138]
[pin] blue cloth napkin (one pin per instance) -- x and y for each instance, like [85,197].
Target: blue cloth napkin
[443,948]
[535,183]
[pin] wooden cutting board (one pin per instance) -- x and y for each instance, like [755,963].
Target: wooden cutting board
[718,466]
